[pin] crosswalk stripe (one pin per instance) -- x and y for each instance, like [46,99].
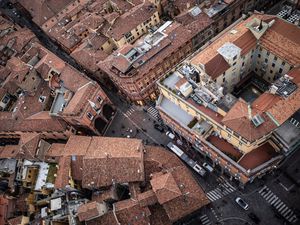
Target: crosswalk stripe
[261,190]
[277,203]
[203,216]
[281,203]
[290,215]
[269,197]
[226,185]
[294,219]
[226,191]
[211,197]
[273,199]
[279,210]
[283,210]
[265,194]
[216,194]
[280,206]
[204,220]
[287,212]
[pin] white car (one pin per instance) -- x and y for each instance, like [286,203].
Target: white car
[242,203]
[208,167]
[170,135]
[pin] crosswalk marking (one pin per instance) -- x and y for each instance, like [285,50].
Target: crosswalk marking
[205,220]
[129,111]
[224,189]
[153,112]
[279,205]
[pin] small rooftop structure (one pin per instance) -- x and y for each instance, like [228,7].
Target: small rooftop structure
[229,51]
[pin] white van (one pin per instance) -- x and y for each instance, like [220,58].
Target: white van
[170,135]
[208,167]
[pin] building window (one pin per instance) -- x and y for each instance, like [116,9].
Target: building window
[99,99]
[259,55]
[271,71]
[268,53]
[128,34]
[273,64]
[283,63]
[280,70]
[275,58]
[243,63]
[90,116]
[266,60]
[234,58]
[234,63]
[224,79]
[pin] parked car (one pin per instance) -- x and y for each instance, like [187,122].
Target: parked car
[170,135]
[208,167]
[254,218]
[199,170]
[242,203]
[158,127]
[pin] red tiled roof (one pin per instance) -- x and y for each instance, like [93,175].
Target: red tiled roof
[216,66]
[111,160]
[129,211]
[237,119]
[285,108]
[88,211]
[62,179]
[165,187]
[246,42]
[282,39]
[265,101]
[131,19]
[191,199]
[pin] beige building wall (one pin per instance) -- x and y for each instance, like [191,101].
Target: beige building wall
[139,31]
[233,138]
[269,66]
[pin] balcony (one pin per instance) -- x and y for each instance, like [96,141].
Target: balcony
[227,148]
[258,157]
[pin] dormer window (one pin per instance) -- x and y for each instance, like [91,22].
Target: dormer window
[99,99]
[90,116]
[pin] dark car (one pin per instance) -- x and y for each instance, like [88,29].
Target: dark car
[254,218]
[158,127]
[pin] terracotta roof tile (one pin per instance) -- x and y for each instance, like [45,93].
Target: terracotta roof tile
[62,179]
[111,160]
[246,42]
[285,108]
[282,39]
[216,66]
[237,119]
[131,19]
[89,211]
[165,187]
[191,199]
[129,211]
